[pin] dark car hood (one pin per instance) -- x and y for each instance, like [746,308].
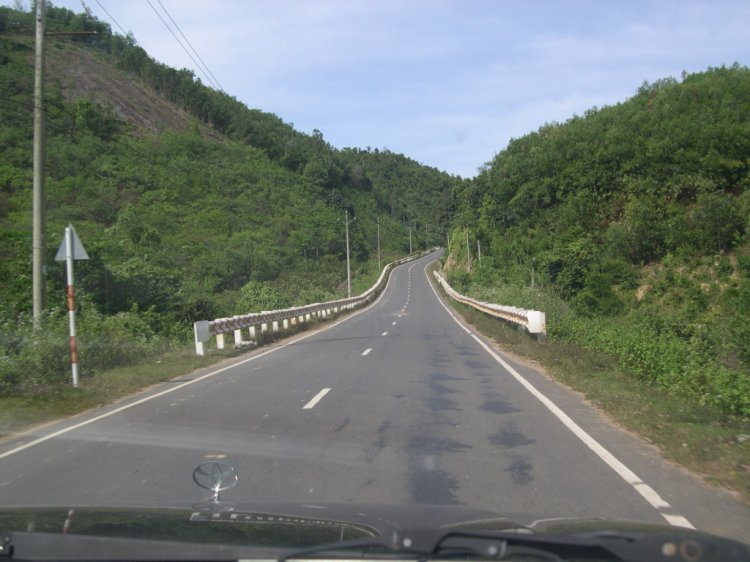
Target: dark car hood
[299,524]
[273,531]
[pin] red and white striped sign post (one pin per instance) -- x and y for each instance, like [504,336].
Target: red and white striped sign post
[71,249]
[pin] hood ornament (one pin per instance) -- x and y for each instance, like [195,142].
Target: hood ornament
[215,476]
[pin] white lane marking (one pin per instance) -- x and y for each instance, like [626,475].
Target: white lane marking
[384,334]
[366,351]
[317,398]
[625,473]
[677,520]
[393,323]
[178,387]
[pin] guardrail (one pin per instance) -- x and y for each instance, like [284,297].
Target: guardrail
[533,321]
[205,329]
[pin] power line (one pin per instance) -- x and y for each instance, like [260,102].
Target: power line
[61,112]
[21,103]
[181,45]
[110,17]
[191,46]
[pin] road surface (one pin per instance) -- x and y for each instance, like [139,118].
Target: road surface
[397,403]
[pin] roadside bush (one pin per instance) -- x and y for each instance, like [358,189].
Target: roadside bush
[660,348]
[32,359]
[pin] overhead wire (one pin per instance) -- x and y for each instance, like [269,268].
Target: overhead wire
[191,46]
[57,111]
[110,17]
[181,45]
[21,103]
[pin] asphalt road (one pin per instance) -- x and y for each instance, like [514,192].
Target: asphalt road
[397,403]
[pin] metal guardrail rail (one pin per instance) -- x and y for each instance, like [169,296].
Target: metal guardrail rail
[206,329]
[534,321]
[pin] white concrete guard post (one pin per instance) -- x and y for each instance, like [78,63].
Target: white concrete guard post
[205,329]
[202,334]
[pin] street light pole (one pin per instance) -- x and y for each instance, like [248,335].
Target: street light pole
[346,222]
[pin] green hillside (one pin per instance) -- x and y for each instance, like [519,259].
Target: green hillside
[630,226]
[191,205]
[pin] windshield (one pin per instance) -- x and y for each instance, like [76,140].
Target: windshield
[280,273]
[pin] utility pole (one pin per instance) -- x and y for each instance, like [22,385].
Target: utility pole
[346,222]
[39,227]
[378,243]
[479,251]
[468,251]
[410,227]
[39,246]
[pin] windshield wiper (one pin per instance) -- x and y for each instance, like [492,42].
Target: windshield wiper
[452,543]
[499,545]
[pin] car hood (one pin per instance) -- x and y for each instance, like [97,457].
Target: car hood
[299,524]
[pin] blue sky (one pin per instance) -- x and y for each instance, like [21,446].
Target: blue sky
[445,82]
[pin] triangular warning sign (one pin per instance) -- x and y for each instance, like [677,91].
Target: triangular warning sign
[79,252]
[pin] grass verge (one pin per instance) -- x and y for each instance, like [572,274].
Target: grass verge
[18,413]
[700,438]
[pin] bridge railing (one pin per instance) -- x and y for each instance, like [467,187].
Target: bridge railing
[206,329]
[534,321]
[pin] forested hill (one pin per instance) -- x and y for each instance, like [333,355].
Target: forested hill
[632,224]
[190,204]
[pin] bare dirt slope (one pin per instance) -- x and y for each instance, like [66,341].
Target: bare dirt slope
[83,76]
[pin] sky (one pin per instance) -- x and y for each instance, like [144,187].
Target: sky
[445,82]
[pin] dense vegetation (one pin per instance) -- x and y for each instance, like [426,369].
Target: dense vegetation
[630,226]
[232,213]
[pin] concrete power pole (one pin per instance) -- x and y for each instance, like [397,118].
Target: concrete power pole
[468,251]
[378,243]
[410,227]
[347,222]
[39,245]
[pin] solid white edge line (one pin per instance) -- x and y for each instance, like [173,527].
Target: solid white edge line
[207,375]
[366,351]
[316,399]
[625,473]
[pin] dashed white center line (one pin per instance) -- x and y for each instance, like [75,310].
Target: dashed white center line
[384,334]
[368,350]
[317,398]
[393,324]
